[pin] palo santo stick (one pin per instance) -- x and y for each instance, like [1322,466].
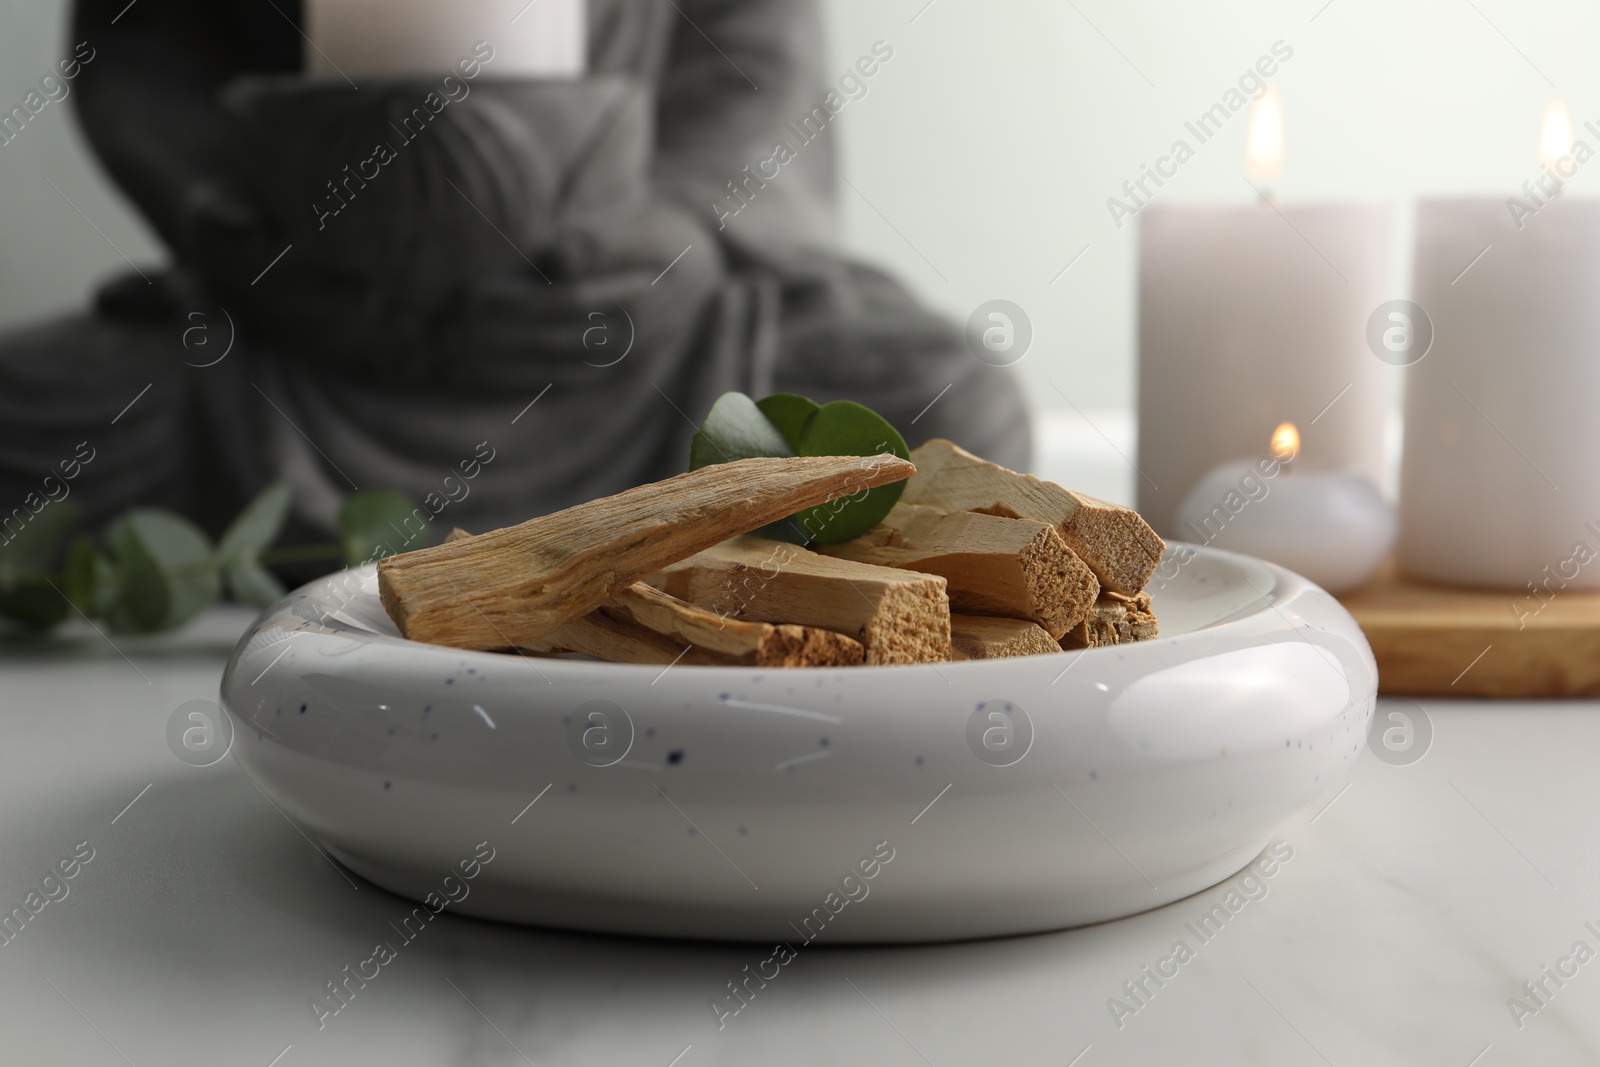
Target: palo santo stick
[900,616]
[977,637]
[1114,541]
[758,644]
[681,625]
[511,587]
[1138,621]
[1114,620]
[603,637]
[644,625]
[1015,568]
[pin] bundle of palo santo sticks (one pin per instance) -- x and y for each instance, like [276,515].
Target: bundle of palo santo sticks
[974,562]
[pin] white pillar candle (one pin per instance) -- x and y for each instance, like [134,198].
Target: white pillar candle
[1249,317]
[405,38]
[1499,482]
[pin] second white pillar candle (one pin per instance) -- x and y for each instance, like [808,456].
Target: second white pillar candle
[1499,485]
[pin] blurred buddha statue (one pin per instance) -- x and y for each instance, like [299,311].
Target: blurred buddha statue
[550,279]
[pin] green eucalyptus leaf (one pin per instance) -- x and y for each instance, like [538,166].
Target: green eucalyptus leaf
[142,595]
[735,429]
[789,414]
[374,523]
[31,542]
[32,602]
[91,579]
[80,574]
[257,526]
[845,428]
[788,425]
[166,571]
[252,583]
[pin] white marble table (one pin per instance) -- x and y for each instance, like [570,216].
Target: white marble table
[1413,907]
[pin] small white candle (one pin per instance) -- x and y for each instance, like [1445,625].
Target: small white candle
[1499,485]
[408,38]
[1249,315]
[1331,526]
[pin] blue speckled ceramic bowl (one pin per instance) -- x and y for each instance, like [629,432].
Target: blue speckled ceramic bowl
[942,801]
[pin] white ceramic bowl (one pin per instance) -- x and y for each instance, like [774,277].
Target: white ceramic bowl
[714,802]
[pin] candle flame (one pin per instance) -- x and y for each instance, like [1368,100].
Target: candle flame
[1264,141]
[1555,134]
[1286,442]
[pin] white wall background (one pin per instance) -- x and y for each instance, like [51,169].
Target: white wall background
[993,139]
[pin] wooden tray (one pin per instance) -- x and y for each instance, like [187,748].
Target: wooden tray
[1448,642]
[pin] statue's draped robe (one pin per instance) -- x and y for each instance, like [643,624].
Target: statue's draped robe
[517,239]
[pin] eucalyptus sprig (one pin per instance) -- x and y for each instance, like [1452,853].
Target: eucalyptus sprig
[788,425]
[153,570]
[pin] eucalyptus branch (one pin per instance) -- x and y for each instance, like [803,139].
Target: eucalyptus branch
[151,570]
